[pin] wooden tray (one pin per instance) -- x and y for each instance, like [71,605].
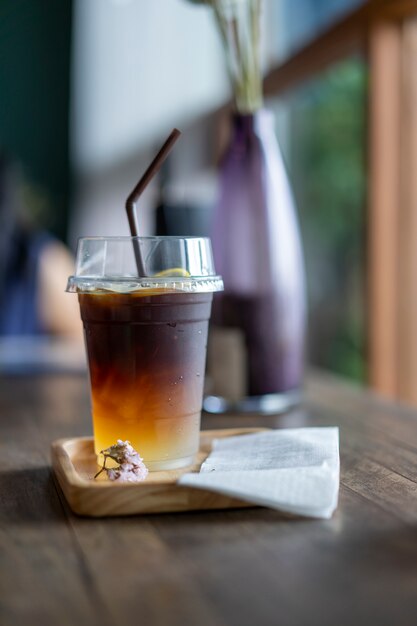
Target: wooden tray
[74,463]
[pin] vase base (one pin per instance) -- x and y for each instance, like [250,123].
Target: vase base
[268,404]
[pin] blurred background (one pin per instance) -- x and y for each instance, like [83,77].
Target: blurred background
[90,88]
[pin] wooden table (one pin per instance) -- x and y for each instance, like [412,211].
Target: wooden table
[249,567]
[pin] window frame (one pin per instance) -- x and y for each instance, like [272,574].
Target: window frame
[384,32]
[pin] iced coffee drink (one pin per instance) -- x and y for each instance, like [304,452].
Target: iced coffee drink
[146,341]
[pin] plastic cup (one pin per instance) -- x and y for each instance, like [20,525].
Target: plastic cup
[146,340]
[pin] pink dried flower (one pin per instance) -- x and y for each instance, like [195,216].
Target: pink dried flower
[131,466]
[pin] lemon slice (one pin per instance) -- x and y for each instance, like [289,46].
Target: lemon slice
[174,271]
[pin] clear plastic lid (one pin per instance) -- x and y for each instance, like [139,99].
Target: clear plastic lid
[128,264]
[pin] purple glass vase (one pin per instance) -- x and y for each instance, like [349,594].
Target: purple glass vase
[256,358]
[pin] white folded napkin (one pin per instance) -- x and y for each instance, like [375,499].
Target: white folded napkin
[294,470]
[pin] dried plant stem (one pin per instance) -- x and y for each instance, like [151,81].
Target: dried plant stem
[240,33]
[103,468]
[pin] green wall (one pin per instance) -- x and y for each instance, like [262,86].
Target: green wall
[35,40]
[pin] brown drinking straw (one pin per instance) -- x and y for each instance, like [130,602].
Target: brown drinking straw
[134,196]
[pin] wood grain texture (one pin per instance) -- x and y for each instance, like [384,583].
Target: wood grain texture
[216,568]
[384,204]
[407,219]
[347,36]
[75,466]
